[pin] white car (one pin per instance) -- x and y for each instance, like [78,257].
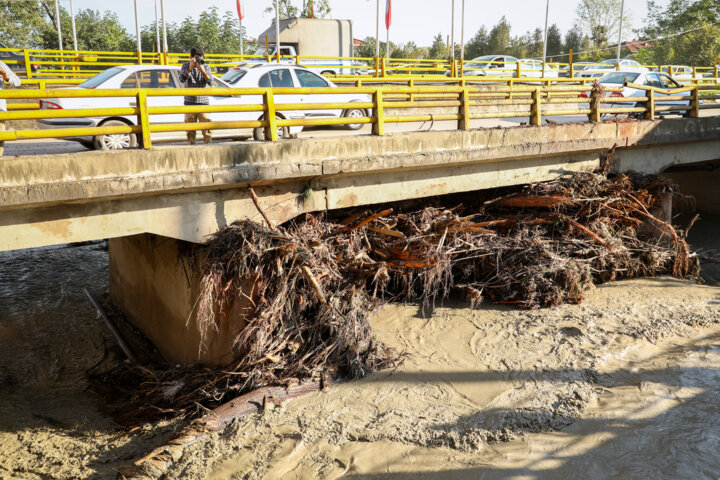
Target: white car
[650,79]
[600,69]
[153,76]
[676,71]
[530,67]
[289,76]
[489,66]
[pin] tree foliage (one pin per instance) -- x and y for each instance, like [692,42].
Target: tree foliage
[687,32]
[600,20]
[309,8]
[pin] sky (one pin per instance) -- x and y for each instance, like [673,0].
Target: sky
[413,20]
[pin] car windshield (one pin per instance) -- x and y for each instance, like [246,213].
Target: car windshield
[618,78]
[611,61]
[101,78]
[234,75]
[480,61]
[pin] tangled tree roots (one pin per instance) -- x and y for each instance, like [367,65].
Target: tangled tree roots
[314,281]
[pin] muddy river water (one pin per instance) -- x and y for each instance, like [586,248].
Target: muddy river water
[625,385]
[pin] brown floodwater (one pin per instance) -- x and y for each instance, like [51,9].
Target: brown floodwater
[625,385]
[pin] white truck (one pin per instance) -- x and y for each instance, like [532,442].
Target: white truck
[308,38]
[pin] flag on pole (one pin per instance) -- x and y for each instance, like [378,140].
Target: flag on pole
[311,10]
[388,14]
[240,10]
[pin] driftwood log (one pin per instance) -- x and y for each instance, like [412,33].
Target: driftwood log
[157,462]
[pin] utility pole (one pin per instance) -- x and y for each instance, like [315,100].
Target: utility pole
[57,21]
[72,16]
[622,14]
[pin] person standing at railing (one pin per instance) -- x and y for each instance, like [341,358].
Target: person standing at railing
[8,76]
[197,74]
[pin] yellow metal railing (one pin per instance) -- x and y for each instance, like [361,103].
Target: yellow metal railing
[529,101]
[68,64]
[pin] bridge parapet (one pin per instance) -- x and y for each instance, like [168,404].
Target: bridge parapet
[189,193]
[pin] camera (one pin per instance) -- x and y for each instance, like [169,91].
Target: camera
[199,60]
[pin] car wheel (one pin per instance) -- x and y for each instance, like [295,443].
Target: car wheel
[327,72]
[116,141]
[354,113]
[282,132]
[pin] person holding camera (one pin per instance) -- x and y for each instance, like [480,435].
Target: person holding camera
[6,75]
[197,74]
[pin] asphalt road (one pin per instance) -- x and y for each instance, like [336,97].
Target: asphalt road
[57,146]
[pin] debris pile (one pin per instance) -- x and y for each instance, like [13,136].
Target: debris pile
[315,280]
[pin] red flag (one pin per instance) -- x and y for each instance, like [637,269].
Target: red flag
[240,10]
[311,13]
[388,14]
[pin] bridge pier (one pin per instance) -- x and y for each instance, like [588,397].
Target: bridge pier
[155,281]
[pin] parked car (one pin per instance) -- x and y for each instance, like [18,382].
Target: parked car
[530,67]
[152,76]
[489,66]
[16,61]
[678,72]
[600,69]
[650,79]
[274,75]
[577,67]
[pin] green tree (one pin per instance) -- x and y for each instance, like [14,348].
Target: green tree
[438,50]
[319,9]
[600,20]
[499,38]
[96,31]
[687,32]
[554,41]
[478,44]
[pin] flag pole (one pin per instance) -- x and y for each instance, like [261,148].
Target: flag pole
[164,27]
[622,14]
[157,28]
[242,40]
[277,31]
[547,12]
[377,30]
[137,33]
[57,21]
[452,32]
[72,16]
[462,34]
[388,16]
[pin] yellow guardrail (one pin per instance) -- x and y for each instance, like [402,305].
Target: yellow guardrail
[69,64]
[265,112]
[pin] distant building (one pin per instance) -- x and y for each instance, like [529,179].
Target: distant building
[632,46]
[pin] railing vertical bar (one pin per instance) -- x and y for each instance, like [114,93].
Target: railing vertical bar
[269,108]
[143,119]
[379,125]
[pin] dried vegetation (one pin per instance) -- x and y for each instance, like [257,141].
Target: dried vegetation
[315,280]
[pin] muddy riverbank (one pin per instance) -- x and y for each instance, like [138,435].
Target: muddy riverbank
[622,386]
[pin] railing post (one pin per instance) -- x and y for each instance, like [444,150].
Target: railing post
[464,120]
[28,65]
[383,68]
[377,66]
[510,89]
[536,107]
[518,69]
[595,96]
[695,103]
[139,57]
[461,66]
[411,95]
[269,109]
[572,67]
[650,105]
[297,59]
[378,127]
[42,85]
[358,83]
[143,119]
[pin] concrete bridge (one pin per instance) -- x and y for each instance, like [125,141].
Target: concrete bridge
[176,193]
